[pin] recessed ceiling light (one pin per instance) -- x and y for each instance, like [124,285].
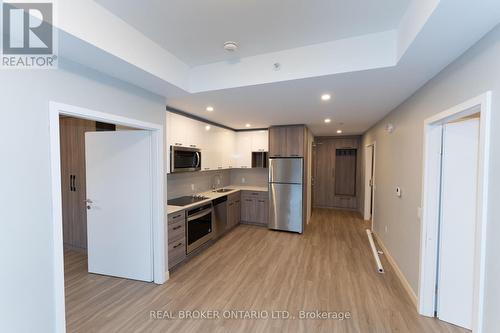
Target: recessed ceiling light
[339,131]
[248,125]
[326,97]
[230,46]
[328,120]
[210,108]
[207,128]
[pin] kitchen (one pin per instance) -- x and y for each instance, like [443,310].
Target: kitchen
[219,178]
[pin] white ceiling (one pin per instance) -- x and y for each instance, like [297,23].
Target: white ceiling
[361,98]
[195,31]
[431,34]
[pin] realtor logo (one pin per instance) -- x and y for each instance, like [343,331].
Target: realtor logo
[28,38]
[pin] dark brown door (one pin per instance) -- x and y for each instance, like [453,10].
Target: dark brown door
[336,172]
[72,143]
[345,166]
[324,183]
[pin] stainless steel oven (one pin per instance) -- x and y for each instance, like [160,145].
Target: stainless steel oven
[199,226]
[184,159]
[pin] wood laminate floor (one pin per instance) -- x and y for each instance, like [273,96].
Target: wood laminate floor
[328,268]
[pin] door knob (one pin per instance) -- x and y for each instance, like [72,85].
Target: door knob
[88,203]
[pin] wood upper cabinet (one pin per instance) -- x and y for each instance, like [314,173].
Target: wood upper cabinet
[286,141]
[295,136]
[277,142]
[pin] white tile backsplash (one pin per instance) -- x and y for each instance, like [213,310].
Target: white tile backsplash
[189,183]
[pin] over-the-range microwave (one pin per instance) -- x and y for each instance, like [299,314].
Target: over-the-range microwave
[184,159]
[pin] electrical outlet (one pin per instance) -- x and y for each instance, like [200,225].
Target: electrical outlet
[386,229]
[243,180]
[192,187]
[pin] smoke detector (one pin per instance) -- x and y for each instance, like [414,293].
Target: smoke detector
[230,46]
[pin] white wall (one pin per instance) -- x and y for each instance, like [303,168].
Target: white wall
[26,286]
[399,163]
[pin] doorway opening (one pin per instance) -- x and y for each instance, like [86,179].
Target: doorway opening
[107,198]
[453,235]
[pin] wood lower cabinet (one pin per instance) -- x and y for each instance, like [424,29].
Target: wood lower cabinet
[176,246]
[233,210]
[287,141]
[254,207]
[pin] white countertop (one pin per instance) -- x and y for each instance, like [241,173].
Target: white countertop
[214,195]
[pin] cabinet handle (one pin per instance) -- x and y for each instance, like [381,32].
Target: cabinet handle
[249,200]
[207,168]
[177,216]
[219,168]
[295,155]
[178,144]
[176,246]
[176,228]
[262,200]
[192,146]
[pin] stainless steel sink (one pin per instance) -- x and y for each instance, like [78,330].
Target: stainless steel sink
[223,190]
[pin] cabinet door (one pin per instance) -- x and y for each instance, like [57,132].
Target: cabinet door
[208,151]
[248,206]
[237,211]
[295,141]
[260,141]
[229,146]
[277,141]
[262,211]
[230,215]
[243,150]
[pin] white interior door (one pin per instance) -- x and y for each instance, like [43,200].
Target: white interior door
[119,218]
[458,222]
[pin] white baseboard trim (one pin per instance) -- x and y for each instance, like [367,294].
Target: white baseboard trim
[400,275]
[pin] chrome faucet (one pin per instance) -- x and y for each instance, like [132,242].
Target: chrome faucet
[217,180]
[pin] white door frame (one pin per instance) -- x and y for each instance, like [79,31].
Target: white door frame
[431,210]
[159,271]
[369,188]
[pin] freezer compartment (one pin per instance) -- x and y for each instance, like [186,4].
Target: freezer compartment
[285,207]
[286,170]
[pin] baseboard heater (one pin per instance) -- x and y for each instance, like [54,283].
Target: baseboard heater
[380,269]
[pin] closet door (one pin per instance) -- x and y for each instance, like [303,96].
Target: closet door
[72,141]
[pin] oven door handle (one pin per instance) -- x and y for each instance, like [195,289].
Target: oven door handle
[197,216]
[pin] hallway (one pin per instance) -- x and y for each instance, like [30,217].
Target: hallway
[328,268]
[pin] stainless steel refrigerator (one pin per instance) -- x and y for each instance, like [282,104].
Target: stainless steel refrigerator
[286,194]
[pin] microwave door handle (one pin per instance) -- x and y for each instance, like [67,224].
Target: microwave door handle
[198,159]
